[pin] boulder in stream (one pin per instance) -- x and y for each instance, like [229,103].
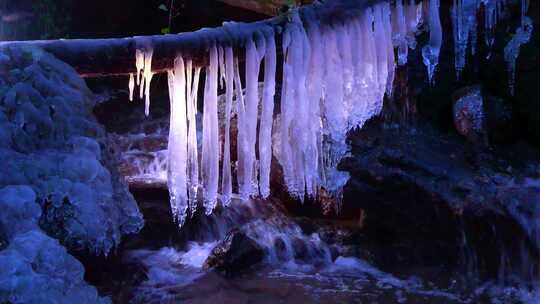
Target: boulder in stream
[237,252]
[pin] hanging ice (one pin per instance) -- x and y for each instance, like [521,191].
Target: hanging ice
[511,51]
[226,180]
[192,148]
[139,64]
[413,15]
[430,52]
[247,182]
[464,22]
[177,169]
[335,78]
[267,112]
[399,24]
[210,146]
[131,87]
[147,76]
[143,64]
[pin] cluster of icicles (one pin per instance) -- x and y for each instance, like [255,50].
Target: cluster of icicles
[465,29]
[335,77]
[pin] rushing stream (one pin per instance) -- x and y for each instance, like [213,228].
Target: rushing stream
[312,272]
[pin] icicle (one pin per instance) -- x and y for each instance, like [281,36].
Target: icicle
[139,64]
[511,51]
[210,148]
[430,52]
[192,159]
[147,74]
[131,86]
[382,53]
[193,154]
[413,17]
[221,60]
[314,168]
[294,107]
[391,60]
[335,116]
[226,178]
[400,32]
[241,140]
[286,109]
[267,111]
[177,169]
[248,121]
[464,25]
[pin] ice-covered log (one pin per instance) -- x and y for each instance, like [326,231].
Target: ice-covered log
[114,56]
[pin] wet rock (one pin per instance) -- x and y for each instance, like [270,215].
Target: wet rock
[236,253]
[425,203]
[468,113]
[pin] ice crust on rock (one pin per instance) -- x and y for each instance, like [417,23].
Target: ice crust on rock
[57,182]
[51,142]
[35,268]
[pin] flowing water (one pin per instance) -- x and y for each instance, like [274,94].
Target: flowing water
[298,267]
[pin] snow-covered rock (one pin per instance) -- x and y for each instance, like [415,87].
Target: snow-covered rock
[58,183]
[51,142]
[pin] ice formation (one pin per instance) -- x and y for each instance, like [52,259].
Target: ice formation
[465,23]
[58,187]
[430,52]
[511,51]
[336,75]
[143,64]
[131,87]
[334,79]
[464,19]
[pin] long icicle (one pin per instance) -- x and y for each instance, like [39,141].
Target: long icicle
[148,75]
[210,150]
[249,184]
[226,179]
[267,111]
[177,168]
[193,153]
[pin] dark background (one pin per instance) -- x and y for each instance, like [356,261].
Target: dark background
[52,19]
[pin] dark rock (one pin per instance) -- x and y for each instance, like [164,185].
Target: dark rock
[3,239]
[236,253]
[421,198]
[300,249]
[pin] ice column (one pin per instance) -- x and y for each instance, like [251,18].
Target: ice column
[295,107]
[399,24]
[248,179]
[192,148]
[177,147]
[143,64]
[267,112]
[147,76]
[413,15]
[131,87]
[511,51]
[464,22]
[226,178]
[210,146]
[430,52]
